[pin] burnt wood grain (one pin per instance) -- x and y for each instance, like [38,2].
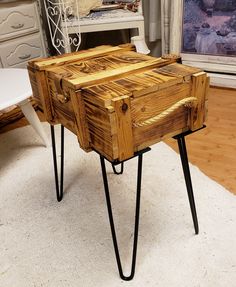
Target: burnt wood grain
[118,101]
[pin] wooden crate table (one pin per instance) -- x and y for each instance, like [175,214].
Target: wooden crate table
[118,103]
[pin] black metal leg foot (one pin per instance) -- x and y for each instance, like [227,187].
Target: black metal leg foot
[187,176]
[121,168]
[137,212]
[59,188]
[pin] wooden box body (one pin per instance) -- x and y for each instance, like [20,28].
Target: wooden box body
[118,101]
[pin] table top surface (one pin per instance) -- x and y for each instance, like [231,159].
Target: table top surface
[14,87]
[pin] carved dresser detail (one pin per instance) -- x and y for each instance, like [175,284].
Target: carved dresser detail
[21,37]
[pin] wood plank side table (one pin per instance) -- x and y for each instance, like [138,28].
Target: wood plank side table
[119,102]
[16,90]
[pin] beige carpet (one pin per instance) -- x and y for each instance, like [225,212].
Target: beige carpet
[68,244]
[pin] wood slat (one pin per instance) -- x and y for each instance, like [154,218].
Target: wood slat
[136,85]
[153,104]
[145,136]
[42,86]
[42,64]
[110,75]
[179,70]
[102,130]
[63,117]
[83,67]
[199,88]
[81,121]
[122,112]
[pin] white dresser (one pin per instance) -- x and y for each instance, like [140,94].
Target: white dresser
[21,37]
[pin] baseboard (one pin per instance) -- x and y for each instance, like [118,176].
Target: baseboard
[223,80]
[221,75]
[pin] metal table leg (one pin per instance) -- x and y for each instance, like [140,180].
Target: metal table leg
[59,186]
[187,175]
[115,170]
[188,181]
[184,159]
[137,213]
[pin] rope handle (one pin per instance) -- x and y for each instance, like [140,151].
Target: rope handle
[189,103]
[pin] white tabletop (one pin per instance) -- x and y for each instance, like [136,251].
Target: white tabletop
[14,87]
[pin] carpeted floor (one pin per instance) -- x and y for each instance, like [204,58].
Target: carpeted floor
[45,243]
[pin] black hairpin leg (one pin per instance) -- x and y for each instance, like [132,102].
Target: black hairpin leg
[137,212]
[121,168]
[187,176]
[59,187]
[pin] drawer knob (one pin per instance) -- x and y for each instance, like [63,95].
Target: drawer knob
[26,56]
[18,26]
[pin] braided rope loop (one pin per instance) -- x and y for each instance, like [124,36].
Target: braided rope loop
[189,103]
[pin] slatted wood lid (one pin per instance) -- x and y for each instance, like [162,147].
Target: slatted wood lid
[140,83]
[84,72]
[109,72]
[42,64]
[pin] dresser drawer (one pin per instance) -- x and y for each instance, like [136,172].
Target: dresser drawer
[18,20]
[19,52]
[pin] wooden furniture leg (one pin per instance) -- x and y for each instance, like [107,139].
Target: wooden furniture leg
[33,119]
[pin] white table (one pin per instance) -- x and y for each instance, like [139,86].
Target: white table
[15,89]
